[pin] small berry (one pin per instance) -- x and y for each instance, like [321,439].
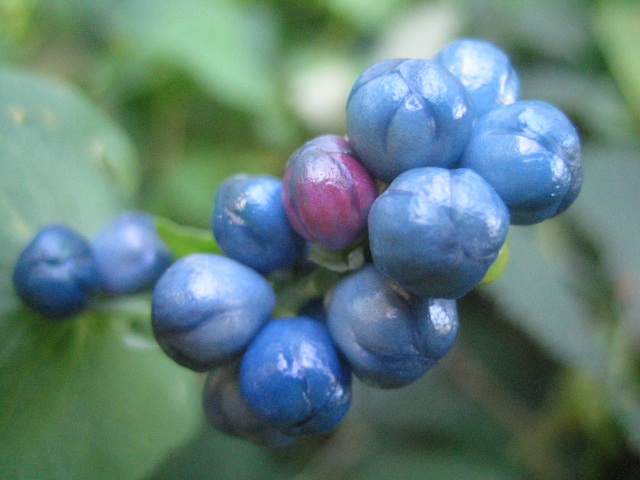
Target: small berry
[529,152]
[327,193]
[389,338]
[206,308]
[129,254]
[292,376]
[484,70]
[408,113]
[250,224]
[56,274]
[436,232]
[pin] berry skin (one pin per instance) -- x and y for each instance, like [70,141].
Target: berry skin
[292,376]
[129,254]
[56,274]
[436,232]
[484,70]
[388,337]
[227,411]
[251,226]
[327,193]
[530,154]
[206,308]
[408,113]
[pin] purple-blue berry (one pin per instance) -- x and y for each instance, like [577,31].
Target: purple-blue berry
[250,225]
[292,376]
[529,151]
[327,193]
[389,338]
[130,254]
[484,70]
[56,274]
[436,231]
[408,113]
[206,308]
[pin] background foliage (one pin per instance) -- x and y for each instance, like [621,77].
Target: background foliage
[107,104]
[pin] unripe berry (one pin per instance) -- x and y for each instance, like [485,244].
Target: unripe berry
[327,193]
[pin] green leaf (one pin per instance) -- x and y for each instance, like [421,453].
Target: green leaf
[535,292]
[223,45]
[183,240]
[617,32]
[93,397]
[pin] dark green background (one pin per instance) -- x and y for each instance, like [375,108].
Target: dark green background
[109,104]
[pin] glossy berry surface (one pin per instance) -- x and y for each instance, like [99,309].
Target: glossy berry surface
[292,376]
[388,337]
[436,232]
[206,308]
[408,113]
[484,70]
[250,224]
[56,274]
[129,254]
[327,193]
[227,411]
[529,152]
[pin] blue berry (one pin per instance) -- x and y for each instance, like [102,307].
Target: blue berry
[227,411]
[56,274]
[389,338]
[436,232]
[484,70]
[529,152]
[250,224]
[327,192]
[206,308]
[408,113]
[292,376]
[129,254]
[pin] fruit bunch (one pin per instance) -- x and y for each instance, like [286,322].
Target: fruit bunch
[60,272]
[351,264]
[407,212]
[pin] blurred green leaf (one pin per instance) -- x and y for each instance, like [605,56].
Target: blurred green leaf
[183,240]
[605,117]
[224,45]
[535,292]
[93,397]
[617,33]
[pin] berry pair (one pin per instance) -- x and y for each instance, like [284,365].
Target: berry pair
[60,272]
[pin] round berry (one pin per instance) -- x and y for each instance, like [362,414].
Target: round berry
[292,376]
[250,224]
[408,113]
[389,338]
[484,70]
[436,232]
[56,274]
[206,308]
[529,152]
[227,411]
[327,193]
[129,254]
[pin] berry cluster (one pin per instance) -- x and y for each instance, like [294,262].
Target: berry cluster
[60,272]
[439,160]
